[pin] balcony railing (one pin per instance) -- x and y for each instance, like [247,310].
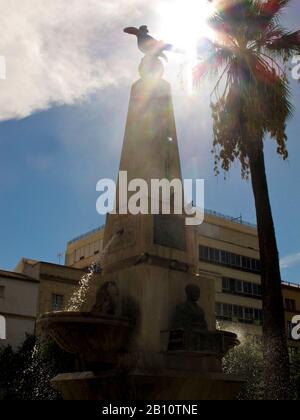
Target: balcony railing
[287,283]
[237,220]
[86,235]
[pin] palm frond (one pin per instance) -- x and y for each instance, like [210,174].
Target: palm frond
[248,56]
[272,8]
[213,63]
[286,43]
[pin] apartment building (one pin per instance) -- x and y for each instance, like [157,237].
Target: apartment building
[18,307]
[229,249]
[35,288]
[85,250]
[57,283]
[291,297]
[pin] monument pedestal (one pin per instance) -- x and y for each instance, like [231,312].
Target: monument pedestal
[157,291]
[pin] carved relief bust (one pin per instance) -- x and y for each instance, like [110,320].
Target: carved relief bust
[110,304]
[190,316]
[108,299]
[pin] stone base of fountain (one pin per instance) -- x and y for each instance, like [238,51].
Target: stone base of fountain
[188,367]
[168,384]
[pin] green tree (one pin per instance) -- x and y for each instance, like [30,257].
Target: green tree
[251,101]
[296,375]
[25,374]
[246,361]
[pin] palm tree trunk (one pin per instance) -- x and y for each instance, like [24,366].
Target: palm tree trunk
[277,369]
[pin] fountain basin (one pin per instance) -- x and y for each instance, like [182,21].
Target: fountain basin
[190,368]
[96,338]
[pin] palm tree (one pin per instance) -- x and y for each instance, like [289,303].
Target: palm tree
[251,101]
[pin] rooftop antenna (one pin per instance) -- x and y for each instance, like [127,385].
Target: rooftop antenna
[60,256]
[240,218]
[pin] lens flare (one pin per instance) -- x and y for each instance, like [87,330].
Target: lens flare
[183,23]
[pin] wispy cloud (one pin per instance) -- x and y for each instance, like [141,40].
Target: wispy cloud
[60,51]
[290,261]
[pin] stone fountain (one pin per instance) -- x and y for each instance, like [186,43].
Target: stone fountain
[150,332]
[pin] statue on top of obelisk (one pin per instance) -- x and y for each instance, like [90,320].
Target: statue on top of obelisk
[147,44]
[153,50]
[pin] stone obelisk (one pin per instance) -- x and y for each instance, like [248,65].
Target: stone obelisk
[154,257]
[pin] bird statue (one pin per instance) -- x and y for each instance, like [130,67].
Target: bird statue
[149,45]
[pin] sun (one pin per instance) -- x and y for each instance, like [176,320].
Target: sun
[184,22]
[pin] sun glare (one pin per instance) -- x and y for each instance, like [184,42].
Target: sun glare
[183,23]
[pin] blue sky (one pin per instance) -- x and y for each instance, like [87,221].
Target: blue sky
[51,160]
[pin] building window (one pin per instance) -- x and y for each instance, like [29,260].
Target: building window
[290,305]
[2,292]
[248,289]
[239,314]
[257,290]
[226,284]
[98,245]
[228,259]
[239,287]
[80,254]
[249,314]
[57,302]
